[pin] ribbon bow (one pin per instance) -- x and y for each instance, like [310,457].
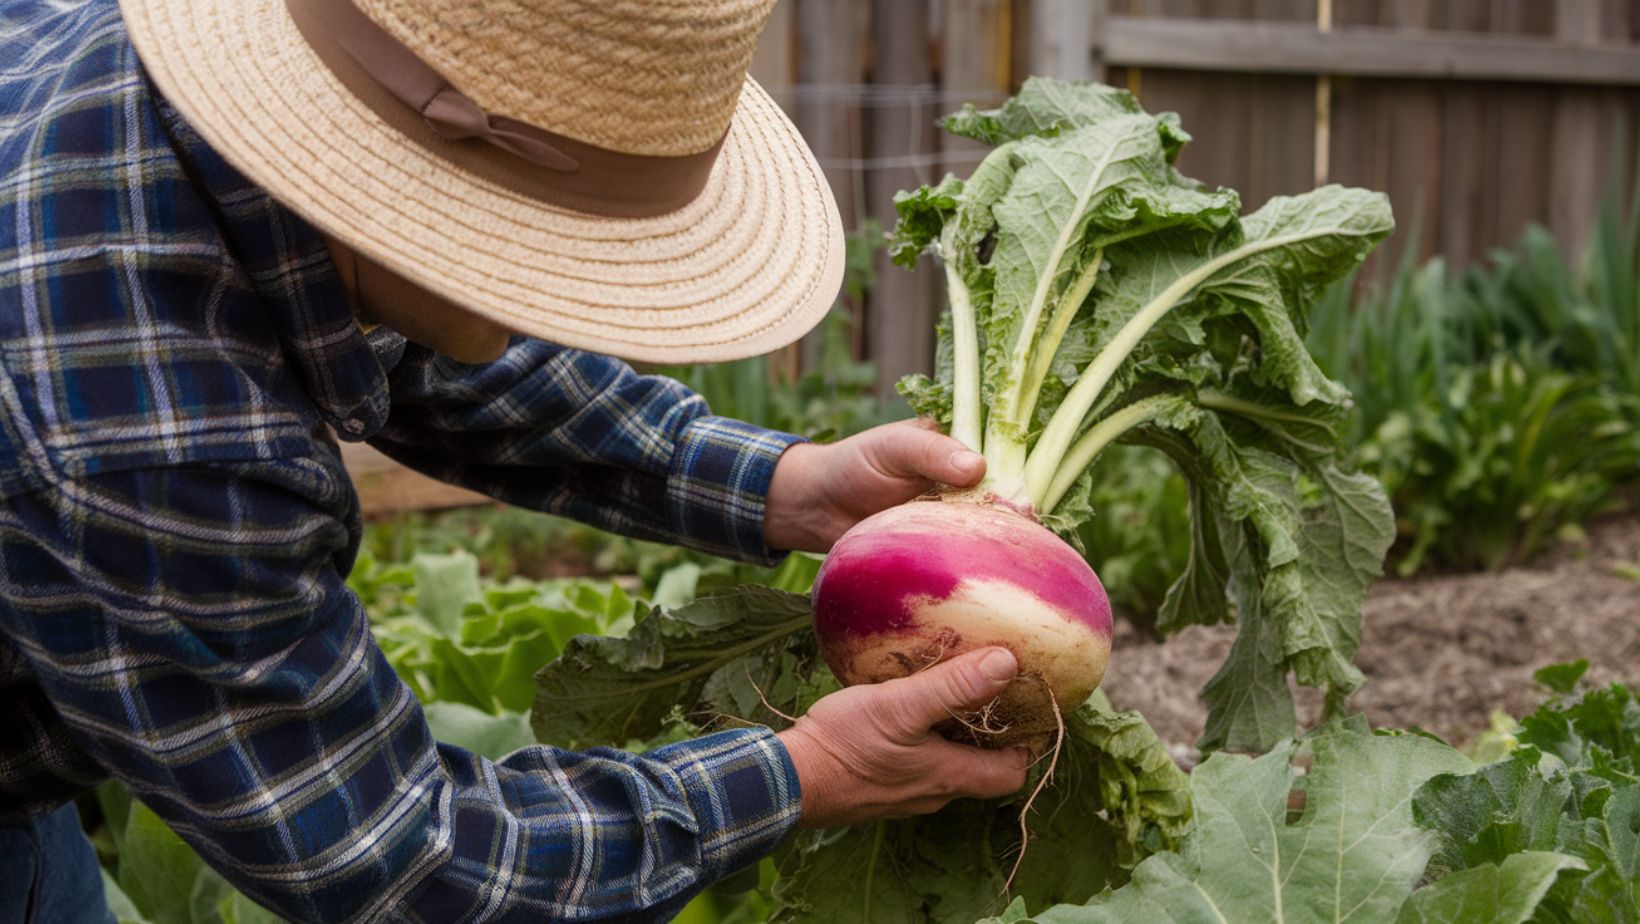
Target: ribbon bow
[454,116]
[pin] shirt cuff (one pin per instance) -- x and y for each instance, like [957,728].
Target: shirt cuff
[743,789]
[719,485]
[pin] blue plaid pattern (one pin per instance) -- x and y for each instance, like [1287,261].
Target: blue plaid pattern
[176,524]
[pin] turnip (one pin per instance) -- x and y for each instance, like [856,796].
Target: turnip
[919,583]
[1096,295]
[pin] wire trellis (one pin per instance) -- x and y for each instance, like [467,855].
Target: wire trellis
[867,95]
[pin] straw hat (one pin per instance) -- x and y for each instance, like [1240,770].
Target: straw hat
[598,173]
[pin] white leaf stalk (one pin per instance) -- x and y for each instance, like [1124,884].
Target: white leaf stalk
[1031,354]
[1100,435]
[966,413]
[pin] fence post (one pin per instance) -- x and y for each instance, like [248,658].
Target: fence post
[1323,102]
[1063,38]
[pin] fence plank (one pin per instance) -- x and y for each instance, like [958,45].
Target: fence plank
[976,39]
[902,306]
[831,52]
[774,65]
[832,44]
[1290,48]
[1388,135]
[1577,181]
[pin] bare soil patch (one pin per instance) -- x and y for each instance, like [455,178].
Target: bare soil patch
[1440,652]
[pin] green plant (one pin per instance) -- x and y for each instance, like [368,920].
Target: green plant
[1400,827]
[1570,794]
[1138,538]
[1516,453]
[1097,295]
[1492,405]
[1139,307]
[1585,314]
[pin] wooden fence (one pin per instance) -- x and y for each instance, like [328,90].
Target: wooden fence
[1476,116]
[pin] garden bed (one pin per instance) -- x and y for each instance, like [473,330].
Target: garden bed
[1440,652]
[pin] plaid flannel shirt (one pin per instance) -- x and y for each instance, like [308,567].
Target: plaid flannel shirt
[176,526]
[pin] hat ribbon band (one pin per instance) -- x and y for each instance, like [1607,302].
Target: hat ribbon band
[406,92]
[458,118]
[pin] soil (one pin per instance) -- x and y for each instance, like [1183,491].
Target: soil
[1440,652]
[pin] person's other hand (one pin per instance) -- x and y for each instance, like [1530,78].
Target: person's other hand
[870,752]
[819,491]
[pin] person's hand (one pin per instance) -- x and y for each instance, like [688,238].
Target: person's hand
[870,752]
[819,492]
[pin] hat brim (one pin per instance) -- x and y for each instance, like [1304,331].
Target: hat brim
[748,267]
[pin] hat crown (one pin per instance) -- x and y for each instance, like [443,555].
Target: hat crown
[655,77]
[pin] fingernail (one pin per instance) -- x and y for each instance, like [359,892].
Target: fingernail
[999,665]
[966,460]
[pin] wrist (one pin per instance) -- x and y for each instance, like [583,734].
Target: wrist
[807,761]
[792,516]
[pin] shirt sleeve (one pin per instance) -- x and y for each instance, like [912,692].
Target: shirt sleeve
[584,436]
[193,630]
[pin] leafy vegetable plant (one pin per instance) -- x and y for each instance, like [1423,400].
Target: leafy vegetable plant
[1098,295]
[1571,791]
[1392,826]
[749,655]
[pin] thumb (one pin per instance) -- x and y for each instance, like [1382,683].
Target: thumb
[920,452]
[962,684]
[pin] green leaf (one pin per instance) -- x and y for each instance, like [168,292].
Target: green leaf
[1267,270]
[1346,527]
[923,214]
[738,655]
[677,585]
[445,584]
[936,868]
[1578,797]
[1070,197]
[158,870]
[236,908]
[1116,797]
[1140,787]
[492,736]
[1014,913]
[1562,678]
[1610,844]
[604,690]
[114,799]
[1353,855]
[1293,542]
[1506,894]
[1598,731]
[1045,107]
[125,911]
[1501,809]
